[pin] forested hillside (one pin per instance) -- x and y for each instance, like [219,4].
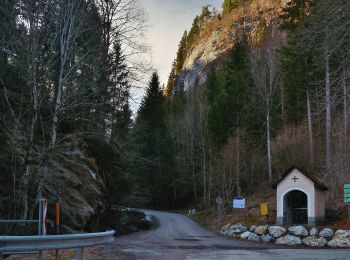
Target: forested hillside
[254,88]
[252,91]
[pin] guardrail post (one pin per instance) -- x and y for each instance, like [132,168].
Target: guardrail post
[79,253]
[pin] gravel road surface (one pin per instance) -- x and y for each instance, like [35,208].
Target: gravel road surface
[179,237]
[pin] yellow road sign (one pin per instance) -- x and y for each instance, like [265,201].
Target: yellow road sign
[264,209]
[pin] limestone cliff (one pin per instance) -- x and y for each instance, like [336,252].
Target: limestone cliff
[219,35]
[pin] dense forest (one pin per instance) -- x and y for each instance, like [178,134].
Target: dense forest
[278,97]
[66,71]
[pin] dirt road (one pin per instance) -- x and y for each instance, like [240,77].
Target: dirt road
[179,237]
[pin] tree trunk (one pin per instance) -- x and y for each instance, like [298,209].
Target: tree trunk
[34,119]
[345,107]
[238,165]
[328,116]
[309,120]
[268,137]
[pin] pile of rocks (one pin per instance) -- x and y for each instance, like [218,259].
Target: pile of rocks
[295,235]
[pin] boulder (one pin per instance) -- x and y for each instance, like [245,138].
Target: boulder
[260,230]
[238,228]
[288,240]
[226,227]
[340,239]
[253,237]
[246,234]
[252,228]
[327,233]
[235,226]
[277,231]
[314,232]
[298,231]
[315,241]
[230,233]
[267,238]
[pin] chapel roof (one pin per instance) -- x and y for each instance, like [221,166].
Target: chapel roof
[318,184]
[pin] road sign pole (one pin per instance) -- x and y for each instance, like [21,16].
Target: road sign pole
[219,203]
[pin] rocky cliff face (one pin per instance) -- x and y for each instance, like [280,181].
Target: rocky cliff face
[71,168]
[219,37]
[82,187]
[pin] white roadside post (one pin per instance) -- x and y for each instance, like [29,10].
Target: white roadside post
[219,202]
[42,221]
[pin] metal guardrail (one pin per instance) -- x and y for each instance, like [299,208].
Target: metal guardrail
[23,244]
[14,221]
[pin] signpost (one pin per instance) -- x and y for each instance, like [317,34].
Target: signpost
[219,202]
[347,197]
[264,209]
[239,203]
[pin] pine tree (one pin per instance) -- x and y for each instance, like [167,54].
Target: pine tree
[227,6]
[154,172]
[295,12]
[181,54]
[193,33]
[227,95]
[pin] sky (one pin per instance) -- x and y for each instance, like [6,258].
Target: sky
[168,19]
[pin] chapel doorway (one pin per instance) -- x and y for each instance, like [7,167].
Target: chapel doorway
[295,209]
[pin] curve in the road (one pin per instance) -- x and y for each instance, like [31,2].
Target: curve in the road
[179,237]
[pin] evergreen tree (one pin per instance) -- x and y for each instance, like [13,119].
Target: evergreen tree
[154,172]
[193,33]
[229,5]
[295,12]
[181,54]
[227,95]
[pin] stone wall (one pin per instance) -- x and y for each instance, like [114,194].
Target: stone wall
[293,236]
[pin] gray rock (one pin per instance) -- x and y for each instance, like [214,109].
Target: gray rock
[327,233]
[252,228]
[340,239]
[277,231]
[315,241]
[238,228]
[260,230]
[298,231]
[235,226]
[245,235]
[267,238]
[226,227]
[230,233]
[253,237]
[288,240]
[314,232]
